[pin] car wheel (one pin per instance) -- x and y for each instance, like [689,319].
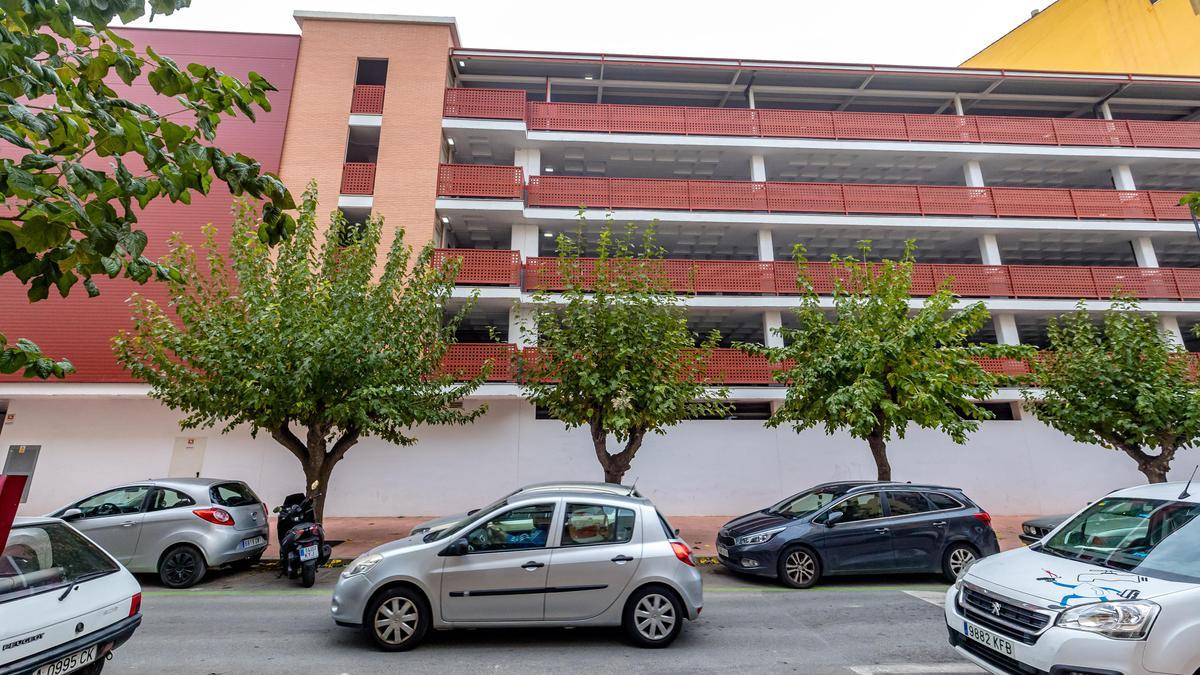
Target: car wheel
[799,567]
[653,617]
[308,576]
[397,620]
[181,567]
[956,558]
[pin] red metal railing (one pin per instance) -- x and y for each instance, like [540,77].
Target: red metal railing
[358,178]
[725,366]
[478,180]
[482,267]
[651,119]
[367,99]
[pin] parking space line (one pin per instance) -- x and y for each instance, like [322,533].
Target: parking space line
[937,598]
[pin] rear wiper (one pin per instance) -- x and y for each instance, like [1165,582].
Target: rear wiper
[80,579]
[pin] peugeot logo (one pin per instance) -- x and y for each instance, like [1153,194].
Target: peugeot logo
[996,608]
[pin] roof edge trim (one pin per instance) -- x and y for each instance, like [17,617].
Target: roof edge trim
[300,15]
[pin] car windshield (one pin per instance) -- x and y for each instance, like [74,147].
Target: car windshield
[1151,537]
[39,558]
[809,502]
[462,522]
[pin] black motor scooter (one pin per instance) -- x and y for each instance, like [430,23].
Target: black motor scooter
[302,546]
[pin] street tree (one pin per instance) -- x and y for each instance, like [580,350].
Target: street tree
[80,159]
[872,365]
[1124,385]
[614,350]
[311,342]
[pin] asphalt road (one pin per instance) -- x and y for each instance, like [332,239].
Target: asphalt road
[255,623]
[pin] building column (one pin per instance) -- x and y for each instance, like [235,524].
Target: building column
[958,106]
[1143,252]
[521,330]
[766,245]
[1006,329]
[772,322]
[1170,325]
[973,173]
[525,240]
[758,168]
[530,160]
[750,97]
[1105,111]
[989,250]
[1123,177]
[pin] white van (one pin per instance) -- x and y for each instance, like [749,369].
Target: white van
[65,604]
[1113,590]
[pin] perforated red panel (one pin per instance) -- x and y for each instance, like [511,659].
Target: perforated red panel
[1164,134]
[721,122]
[1003,366]
[882,199]
[1053,281]
[1166,205]
[727,195]
[565,117]
[572,191]
[358,178]
[805,197]
[479,180]
[1024,130]
[1140,282]
[482,267]
[871,126]
[646,119]
[1033,202]
[503,104]
[731,276]
[784,274]
[1188,283]
[1112,204]
[795,123]
[954,128]
[1092,132]
[732,366]
[367,99]
[648,193]
[974,281]
[956,201]
[466,360]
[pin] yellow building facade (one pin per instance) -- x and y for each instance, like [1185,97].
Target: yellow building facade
[1159,37]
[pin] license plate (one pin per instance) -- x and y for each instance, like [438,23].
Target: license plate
[308,553]
[252,542]
[988,639]
[722,551]
[68,663]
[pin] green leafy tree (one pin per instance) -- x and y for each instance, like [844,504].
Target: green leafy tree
[1124,385]
[615,352]
[303,337]
[870,365]
[84,156]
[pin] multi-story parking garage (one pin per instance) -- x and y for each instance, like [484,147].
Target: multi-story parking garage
[1029,191]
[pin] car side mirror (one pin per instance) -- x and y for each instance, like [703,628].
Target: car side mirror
[472,512]
[834,518]
[71,514]
[457,548]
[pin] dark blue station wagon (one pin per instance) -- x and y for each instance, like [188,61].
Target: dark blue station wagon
[859,528]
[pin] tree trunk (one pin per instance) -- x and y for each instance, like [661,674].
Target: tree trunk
[316,458]
[616,465]
[879,452]
[1153,467]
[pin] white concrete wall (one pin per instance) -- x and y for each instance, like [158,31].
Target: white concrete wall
[698,468]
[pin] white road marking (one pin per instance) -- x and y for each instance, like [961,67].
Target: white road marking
[937,598]
[906,668]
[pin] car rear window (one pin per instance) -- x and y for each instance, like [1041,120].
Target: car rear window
[670,531]
[232,494]
[942,502]
[40,558]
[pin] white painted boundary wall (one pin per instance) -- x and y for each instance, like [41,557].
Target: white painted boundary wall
[698,468]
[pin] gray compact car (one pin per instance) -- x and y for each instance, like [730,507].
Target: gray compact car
[174,527]
[554,557]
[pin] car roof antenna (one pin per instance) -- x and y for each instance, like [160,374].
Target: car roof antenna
[633,487]
[1185,494]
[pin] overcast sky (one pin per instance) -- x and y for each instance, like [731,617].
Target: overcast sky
[904,32]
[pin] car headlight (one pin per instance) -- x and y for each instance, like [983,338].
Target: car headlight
[362,564]
[1122,620]
[962,574]
[758,537]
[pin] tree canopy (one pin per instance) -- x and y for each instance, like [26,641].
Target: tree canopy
[81,159]
[867,362]
[1123,385]
[615,352]
[305,336]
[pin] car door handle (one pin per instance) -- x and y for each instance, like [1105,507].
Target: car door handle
[883,530]
[622,559]
[128,523]
[939,523]
[533,565]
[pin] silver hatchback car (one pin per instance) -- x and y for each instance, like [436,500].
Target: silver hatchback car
[542,558]
[174,527]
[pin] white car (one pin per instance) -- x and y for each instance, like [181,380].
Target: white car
[65,604]
[1114,589]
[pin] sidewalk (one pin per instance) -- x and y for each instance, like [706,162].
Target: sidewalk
[359,535]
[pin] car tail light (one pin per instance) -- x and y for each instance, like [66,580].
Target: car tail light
[984,517]
[215,516]
[683,553]
[135,604]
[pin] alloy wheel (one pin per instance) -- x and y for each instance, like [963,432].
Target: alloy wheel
[396,620]
[800,567]
[960,558]
[179,567]
[654,616]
